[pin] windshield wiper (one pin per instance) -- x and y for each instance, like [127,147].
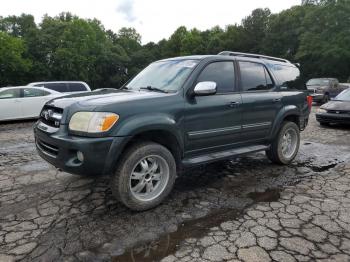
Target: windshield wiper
[151,88]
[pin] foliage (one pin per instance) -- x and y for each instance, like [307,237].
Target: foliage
[12,64]
[66,47]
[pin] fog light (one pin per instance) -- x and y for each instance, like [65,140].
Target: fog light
[80,156]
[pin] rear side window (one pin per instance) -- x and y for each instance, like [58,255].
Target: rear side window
[11,93]
[32,92]
[76,87]
[254,77]
[289,77]
[222,73]
[59,87]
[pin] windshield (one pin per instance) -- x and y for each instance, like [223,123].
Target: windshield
[164,75]
[344,96]
[317,82]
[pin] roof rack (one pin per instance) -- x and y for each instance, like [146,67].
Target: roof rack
[229,53]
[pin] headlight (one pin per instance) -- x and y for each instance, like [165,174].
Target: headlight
[92,122]
[321,111]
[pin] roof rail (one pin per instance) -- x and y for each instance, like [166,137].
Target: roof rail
[229,53]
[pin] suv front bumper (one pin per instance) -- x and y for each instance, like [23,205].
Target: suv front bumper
[60,150]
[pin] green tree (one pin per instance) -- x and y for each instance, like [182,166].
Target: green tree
[283,33]
[325,44]
[254,29]
[12,64]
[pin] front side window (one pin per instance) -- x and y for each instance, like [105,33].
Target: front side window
[10,93]
[32,92]
[222,73]
[167,76]
[254,77]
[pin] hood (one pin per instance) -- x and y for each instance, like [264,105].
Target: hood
[337,105]
[102,97]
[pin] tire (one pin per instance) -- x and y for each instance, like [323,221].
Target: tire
[145,176]
[278,152]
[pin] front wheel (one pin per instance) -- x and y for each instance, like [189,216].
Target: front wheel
[285,146]
[145,176]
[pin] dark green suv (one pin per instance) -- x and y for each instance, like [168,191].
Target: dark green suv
[176,113]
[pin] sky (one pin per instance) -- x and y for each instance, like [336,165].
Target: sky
[153,19]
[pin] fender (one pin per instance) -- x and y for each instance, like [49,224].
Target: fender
[285,111]
[146,122]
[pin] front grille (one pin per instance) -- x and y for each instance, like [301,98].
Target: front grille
[46,148]
[51,116]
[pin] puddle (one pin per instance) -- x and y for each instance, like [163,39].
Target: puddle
[270,195]
[323,168]
[197,228]
[168,244]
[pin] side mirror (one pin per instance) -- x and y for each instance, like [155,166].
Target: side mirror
[205,88]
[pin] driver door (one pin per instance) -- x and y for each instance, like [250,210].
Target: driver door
[213,122]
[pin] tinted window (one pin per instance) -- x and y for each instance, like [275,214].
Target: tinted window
[222,73]
[32,92]
[76,87]
[289,77]
[254,77]
[11,93]
[59,87]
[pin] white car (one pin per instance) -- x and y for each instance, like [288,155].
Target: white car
[23,102]
[68,87]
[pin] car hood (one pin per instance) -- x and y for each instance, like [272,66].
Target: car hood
[337,105]
[103,97]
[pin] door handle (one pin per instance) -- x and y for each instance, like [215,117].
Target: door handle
[276,100]
[233,104]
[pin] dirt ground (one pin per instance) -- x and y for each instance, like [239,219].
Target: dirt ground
[246,209]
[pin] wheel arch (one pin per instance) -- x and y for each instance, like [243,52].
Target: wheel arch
[163,136]
[288,113]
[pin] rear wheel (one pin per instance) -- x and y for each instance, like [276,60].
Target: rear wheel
[145,176]
[285,146]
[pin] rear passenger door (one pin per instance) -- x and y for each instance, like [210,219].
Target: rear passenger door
[260,101]
[32,101]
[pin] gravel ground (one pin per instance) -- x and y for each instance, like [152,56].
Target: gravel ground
[246,209]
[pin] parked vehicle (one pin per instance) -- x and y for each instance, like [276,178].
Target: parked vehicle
[323,89]
[335,111]
[23,102]
[176,113]
[69,87]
